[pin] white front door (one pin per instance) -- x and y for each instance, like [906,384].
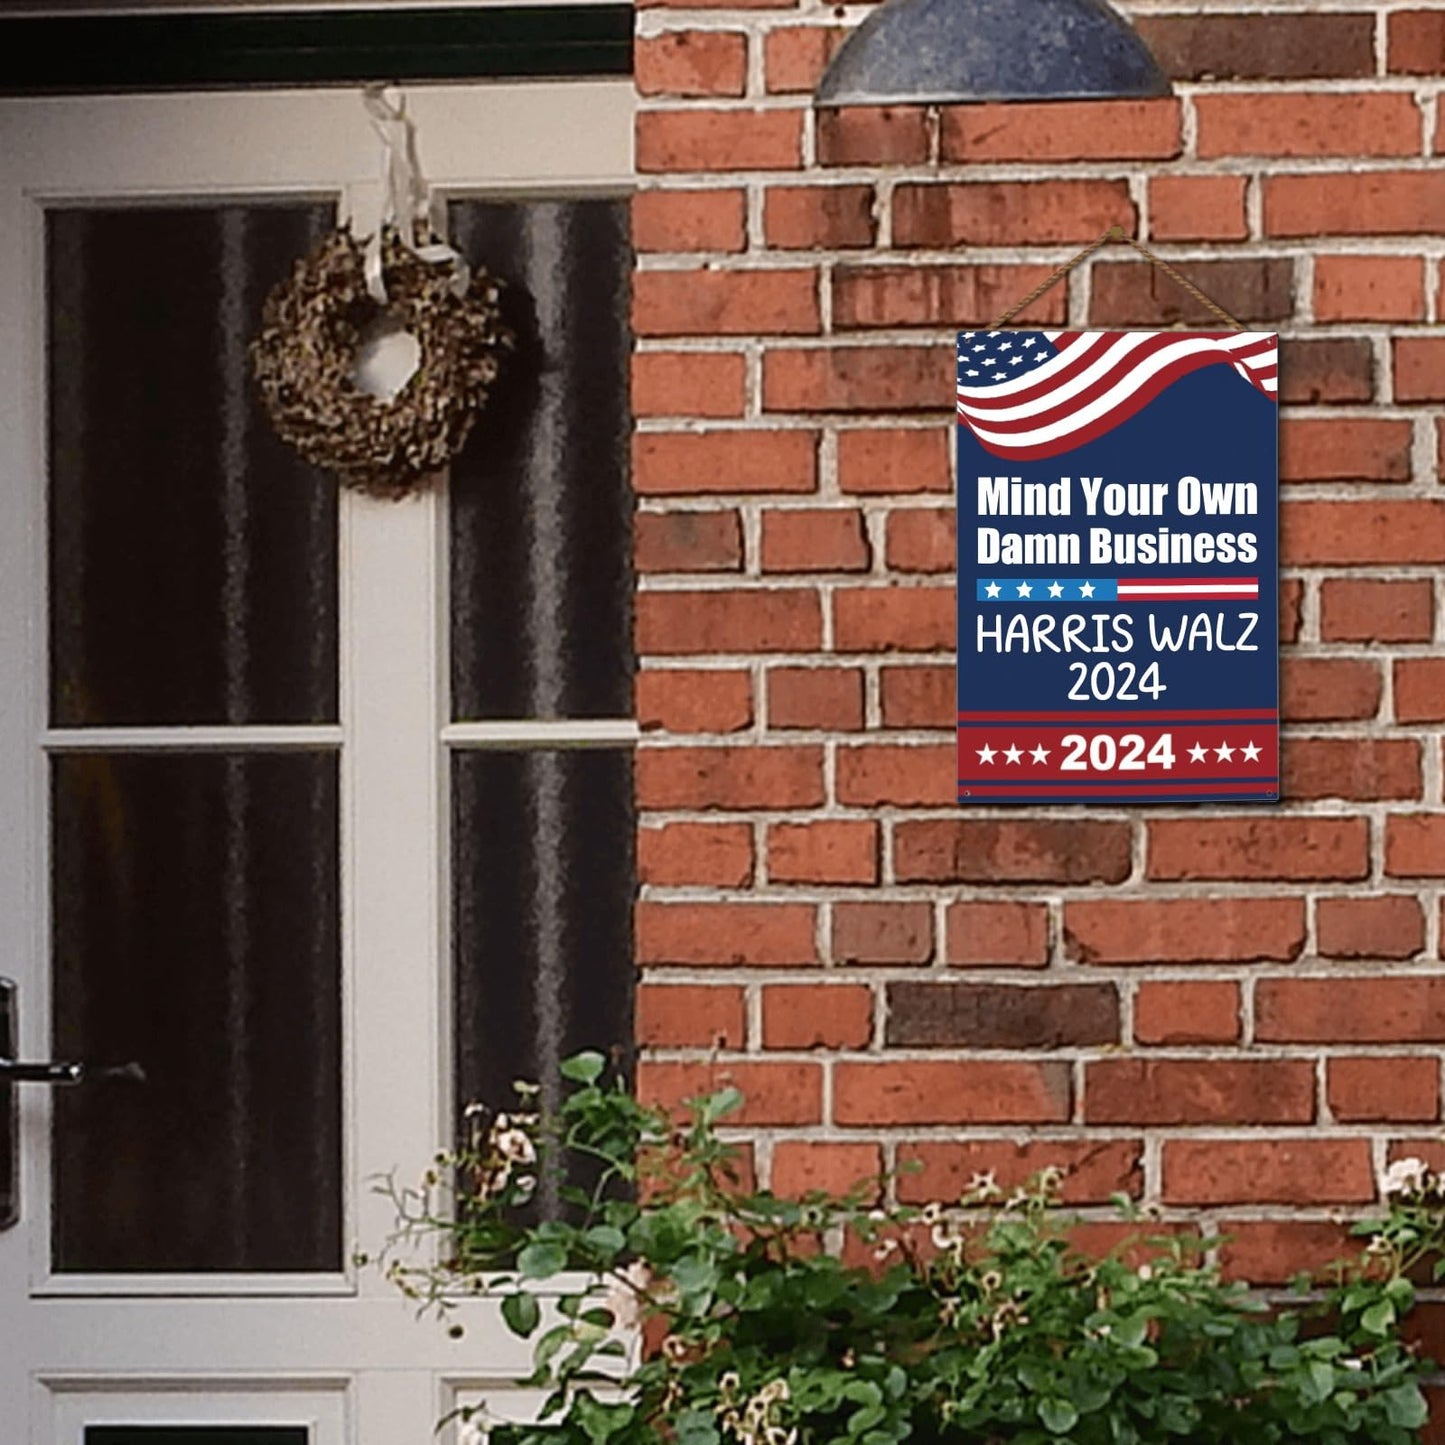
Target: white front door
[238,769]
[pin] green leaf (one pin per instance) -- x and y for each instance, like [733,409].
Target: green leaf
[1405,1406]
[694,1427]
[1059,1416]
[583,1068]
[522,1314]
[606,1238]
[1378,1318]
[541,1260]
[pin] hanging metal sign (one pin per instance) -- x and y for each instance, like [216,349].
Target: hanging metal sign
[1117,567]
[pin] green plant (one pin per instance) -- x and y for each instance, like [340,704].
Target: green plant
[825,1321]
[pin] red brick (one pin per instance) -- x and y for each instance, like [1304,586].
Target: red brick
[683,853]
[1415,845]
[917,697]
[974,1015]
[1329,689]
[1291,602]
[1293,124]
[802,1166]
[1285,848]
[719,140]
[1377,1090]
[1327,449]
[1419,689]
[815,540]
[697,463]
[893,619]
[730,777]
[1286,45]
[756,934]
[919,777]
[1326,369]
[1268,1171]
[827,217]
[1197,208]
[951,1092]
[1387,927]
[1361,203]
[795,56]
[977,850]
[1055,130]
[725,303]
[872,135]
[984,934]
[711,622]
[688,383]
[823,852]
[1199,1091]
[774,1092]
[887,296]
[1320,533]
[1187,1013]
[1273,1252]
[1417,42]
[688,541]
[1009,213]
[894,459]
[1093,1169]
[882,933]
[1184,930]
[689,220]
[1134,293]
[690,1016]
[817,1016]
[1369,288]
[694,700]
[858,378]
[829,698]
[1374,1010]
[1361,768]
[691,62]
[1419,368]
[922,540]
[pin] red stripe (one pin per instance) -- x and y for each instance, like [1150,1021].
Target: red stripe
[1081,360]
[1120,715]
[1119,363]
[1187,581]
[1044,789]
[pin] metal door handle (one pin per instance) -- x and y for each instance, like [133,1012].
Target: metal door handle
[12,1071]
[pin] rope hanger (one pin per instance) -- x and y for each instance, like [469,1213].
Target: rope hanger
[1115,233]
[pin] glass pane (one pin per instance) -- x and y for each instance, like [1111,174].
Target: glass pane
[196,932]
[196,1435]
[192,553]
[540,503]
[542,915]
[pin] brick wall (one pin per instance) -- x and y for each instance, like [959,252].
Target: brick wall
[1233,1013]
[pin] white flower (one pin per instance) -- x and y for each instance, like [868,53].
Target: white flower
[932,1213]
[1405,1176]
[1145,1272]
[624,1295]
[514,1146]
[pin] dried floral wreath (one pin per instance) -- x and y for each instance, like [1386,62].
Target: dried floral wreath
[304,360]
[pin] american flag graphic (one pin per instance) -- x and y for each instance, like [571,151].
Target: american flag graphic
[1072,590]
[1031,394]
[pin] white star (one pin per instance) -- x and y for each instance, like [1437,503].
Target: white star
[1251,752]
[1028,343]
[1087,590]
[1040,754]
[971,372]
[1055,589]
[994,333]
[1005,346]
[1000,376]
[1015,360]
[1013,754]
[1196,753]
[982,346]
[1224,753]
[986,754]
[992,589]
[969,335]
[1025,590]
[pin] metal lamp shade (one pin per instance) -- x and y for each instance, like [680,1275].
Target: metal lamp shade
[925,51]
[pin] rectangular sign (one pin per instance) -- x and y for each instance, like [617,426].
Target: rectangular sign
[1118,558]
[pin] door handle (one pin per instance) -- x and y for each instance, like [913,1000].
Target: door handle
[12,1071]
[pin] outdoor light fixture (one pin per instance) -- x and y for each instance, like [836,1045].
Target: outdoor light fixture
[955,50]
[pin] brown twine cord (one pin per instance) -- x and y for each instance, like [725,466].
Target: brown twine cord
[1115,233]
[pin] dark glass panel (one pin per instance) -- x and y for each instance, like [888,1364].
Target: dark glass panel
[541,509]
[196,932]
[196,1435]
[192,553]
[542,915]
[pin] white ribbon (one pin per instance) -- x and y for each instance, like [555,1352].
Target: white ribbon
[406,198]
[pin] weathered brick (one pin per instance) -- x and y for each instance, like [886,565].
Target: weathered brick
[1273,123]
[1002,1016]
[719,140]
[1192,1012]
[1419,689]
[1329,689]
[982,933]
[858,378]
[1417,42]
[975,850]
[1253,847]
[894,459]
[713,220]
[694,700]
[886,296]
[817,1016]
[1419,368]
[1327,533]
[1391,926]
[872,135]
[1199,1091]
[903,776]
[1369,288]
[1197,208]
[1134,293]
[795,56]
[1291,603]
[893,619]
[801,1166]
[1184,930]
[688,541]
[730,777]
[1372,1090]
[742,621]
[1274,1251]
[1053,130]
[690,1016]
[815,540]
[825,217]
[815,697]
[823,852]
[1327,449]
[1415,845]
[951,1092]
[1008,213]
[882,933]
[725,303]
[1282,46]
[691,63]
[1334,1010]
[1093,1169]
[756,934]
[1360,203]
[688,383]
[775,1092]
[1363,768]
[697,463]
[922,539]
[1326,369]
[1268,1171]
[720,854]
[917,696]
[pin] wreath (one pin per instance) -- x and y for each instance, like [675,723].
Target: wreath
[304,360]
